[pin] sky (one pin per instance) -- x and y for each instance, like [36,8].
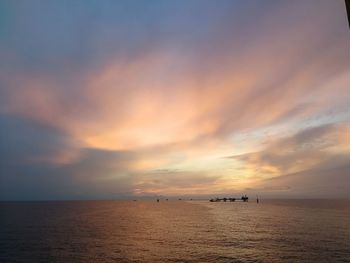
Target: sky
[201,98]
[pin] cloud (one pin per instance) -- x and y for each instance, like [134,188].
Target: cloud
[320,182]
[312,162]
[101,95]
[40,162]
[174,183]
[24,141]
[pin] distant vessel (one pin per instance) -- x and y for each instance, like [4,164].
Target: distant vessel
[244,198]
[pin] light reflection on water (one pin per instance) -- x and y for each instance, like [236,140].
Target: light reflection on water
[175,231]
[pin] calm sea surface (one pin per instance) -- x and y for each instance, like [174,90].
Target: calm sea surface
[175,231]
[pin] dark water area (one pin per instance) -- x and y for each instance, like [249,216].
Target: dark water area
[175,231]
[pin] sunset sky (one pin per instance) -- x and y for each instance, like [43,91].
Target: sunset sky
[114,99]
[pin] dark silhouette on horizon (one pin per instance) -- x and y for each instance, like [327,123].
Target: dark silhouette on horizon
[244,198]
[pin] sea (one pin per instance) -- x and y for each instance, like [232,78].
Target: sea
[175,231]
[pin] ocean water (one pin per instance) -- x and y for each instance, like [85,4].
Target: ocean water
[175,231]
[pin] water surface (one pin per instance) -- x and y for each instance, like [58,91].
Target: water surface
[175,231]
